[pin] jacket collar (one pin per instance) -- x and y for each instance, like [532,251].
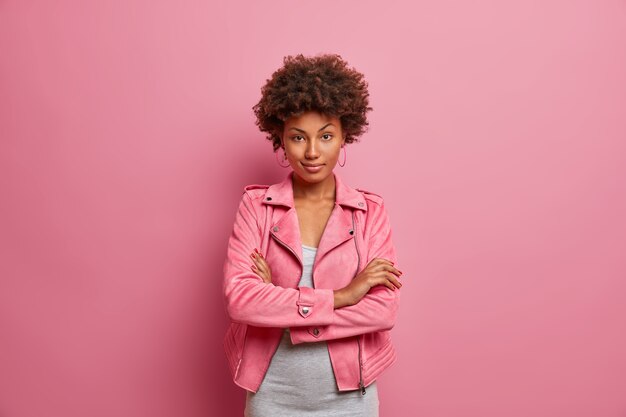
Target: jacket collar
[282,194]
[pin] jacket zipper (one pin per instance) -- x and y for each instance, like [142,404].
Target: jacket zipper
[361,385]
[358,340]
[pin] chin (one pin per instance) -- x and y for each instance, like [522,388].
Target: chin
[314,176]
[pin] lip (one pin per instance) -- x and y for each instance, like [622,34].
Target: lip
[313,168]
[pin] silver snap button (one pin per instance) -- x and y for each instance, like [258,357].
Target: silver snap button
[275,228]
[360,204]
[351,231]
[316,331]
[305,310]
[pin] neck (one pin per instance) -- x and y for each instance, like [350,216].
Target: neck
[324,189]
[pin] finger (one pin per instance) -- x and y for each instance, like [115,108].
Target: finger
[255,270]
[392,270]
[387,283]
[262,265]
[379,261]
[265,268]
[387,279]
[263,276]
[392,278]
[255,254]
[263,271]
[384,260]
[376,265]
[257,259]
[259,254]
[385,267]
[258,271]
[381,280]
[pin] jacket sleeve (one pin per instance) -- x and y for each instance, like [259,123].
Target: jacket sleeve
[249,300]
[378,309]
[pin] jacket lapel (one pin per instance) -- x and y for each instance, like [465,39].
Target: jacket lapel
[287,231]
[338,229]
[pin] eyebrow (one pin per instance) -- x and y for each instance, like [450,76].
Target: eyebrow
[322,128]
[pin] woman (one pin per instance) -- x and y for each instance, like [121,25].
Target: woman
[309,278]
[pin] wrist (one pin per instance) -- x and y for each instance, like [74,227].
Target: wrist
[342,298]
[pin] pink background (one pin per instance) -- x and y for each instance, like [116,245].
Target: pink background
[497,139]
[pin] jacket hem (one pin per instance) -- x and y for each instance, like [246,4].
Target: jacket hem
[244,386]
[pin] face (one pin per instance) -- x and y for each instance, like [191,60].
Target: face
[312,142]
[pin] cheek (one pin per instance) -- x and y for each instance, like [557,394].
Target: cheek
[331,148]
[291,150]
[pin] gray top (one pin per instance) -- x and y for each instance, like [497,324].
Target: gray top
[300,379]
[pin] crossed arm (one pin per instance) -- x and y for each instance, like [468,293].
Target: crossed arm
[368,304]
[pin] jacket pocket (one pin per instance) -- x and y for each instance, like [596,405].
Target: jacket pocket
[233,345]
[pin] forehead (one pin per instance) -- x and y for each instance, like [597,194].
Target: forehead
[311,118]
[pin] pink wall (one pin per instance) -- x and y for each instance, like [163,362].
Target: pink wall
[497,139]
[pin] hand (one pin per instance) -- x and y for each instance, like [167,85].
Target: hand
[260,266]
[379,271]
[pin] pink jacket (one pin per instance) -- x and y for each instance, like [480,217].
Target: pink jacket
[358,336]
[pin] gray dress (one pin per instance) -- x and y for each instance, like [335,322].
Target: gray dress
[300,380]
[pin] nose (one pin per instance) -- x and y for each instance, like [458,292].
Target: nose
[312,150]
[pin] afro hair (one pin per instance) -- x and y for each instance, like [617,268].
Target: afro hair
[322,83]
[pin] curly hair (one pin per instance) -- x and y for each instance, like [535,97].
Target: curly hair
[323,83]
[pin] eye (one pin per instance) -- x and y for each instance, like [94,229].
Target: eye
[327,136]
[296,138]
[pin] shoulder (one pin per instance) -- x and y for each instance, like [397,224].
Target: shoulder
[255,191]
[371,196]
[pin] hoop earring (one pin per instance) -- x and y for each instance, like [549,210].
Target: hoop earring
[344,156]
[284,159]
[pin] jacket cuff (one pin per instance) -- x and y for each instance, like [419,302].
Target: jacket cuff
[318,303]
[321,304]
[307,334]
